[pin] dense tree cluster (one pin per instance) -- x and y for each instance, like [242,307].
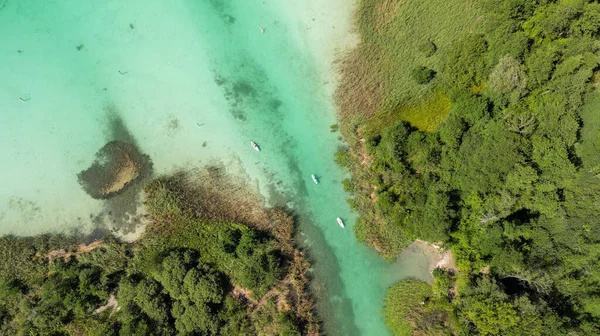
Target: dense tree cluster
[507,181]
[200,278]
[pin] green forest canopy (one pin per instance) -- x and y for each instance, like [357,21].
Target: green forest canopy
[179,280]
[508,178]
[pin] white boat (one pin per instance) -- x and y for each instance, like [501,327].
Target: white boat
[339,220]
[314,178]
[255,146]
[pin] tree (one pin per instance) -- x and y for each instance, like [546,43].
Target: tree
[151,300]
[175,266]
[465,65]
[492,317]
[508,78]
[553,20]
[589,22]
[202,286]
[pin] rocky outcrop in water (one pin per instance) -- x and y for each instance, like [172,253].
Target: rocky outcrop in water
[117,165]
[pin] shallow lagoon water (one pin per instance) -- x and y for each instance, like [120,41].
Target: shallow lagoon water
[191,83]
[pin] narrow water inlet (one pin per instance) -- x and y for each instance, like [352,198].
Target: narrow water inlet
[193,82]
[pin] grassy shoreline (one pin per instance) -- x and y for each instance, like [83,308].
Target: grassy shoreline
[376,90]
[472,124]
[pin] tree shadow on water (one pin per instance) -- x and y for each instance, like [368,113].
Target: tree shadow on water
[116,127]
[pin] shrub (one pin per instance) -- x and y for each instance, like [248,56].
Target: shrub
[428,48]
[422,74]
[343,157]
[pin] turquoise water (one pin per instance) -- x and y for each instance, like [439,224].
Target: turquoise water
[191,82]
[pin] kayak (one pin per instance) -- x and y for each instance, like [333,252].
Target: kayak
[314,178]
[339,220]
[255,146]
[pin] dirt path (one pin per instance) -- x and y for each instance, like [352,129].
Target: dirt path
[112,303]
[81,248]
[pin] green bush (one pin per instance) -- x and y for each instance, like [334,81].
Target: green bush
[422,74]
[428,48]
[343,157]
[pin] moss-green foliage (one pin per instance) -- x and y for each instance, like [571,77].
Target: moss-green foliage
[53,298]
[178,282]
[411,307]
[401,302]
[426,115]
[428,48]
[422,74]
[509,179]
[247,257]
[343,158]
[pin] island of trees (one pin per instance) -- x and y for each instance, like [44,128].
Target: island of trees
[209,263]
[475,124]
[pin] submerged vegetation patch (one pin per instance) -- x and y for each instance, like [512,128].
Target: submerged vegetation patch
[117,166]
[249,91]
[117,176]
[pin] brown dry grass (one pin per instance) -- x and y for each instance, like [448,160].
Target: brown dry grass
[360,90]
[386,11]
[212,194]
